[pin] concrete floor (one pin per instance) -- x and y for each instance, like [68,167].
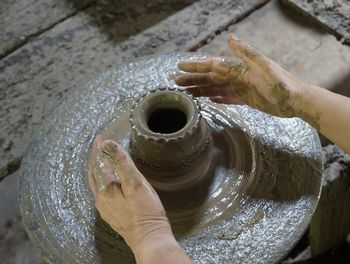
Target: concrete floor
[305,50]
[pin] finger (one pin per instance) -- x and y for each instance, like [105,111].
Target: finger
[123,165]
[92,163]
[201,79]
[104,171]
[110,197]
[217,99]
[225,100]
[204,66]
[193,79]
[235,66]
[206,91]
[113,191]
[92,182]
[242,50]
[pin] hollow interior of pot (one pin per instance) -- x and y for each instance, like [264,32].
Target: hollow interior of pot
[166,120]
[167,113]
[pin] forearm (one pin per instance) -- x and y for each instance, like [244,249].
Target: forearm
[326,111]
[161,249]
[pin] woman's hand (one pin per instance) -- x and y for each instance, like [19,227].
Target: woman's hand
[256,80]
[262,84]
[131,206]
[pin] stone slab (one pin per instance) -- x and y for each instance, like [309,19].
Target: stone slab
[35,77]
[331,14]
[20,20]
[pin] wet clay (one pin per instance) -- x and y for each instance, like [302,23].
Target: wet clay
[176,160]
[253,204]
[226,174]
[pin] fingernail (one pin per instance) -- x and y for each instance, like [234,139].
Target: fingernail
[180,65]
[113,152]
[233,37]
[110,148]
[179,80]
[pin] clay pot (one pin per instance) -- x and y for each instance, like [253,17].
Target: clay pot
[170,141]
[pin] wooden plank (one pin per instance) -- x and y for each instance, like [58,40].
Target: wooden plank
[22,19]
[36,76]
[331,222]
[334,15]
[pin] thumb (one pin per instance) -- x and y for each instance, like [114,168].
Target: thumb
[242,50]
[123,165]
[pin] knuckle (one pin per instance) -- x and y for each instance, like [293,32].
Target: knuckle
[134,185]
[218,78]
[98,204]
[138,184]
[121,160]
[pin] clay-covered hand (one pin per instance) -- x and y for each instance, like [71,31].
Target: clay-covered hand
[254,80]
[129,204]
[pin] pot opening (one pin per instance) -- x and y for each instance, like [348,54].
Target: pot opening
[166,120]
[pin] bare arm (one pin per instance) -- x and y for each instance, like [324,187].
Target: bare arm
[259,82]
[328,112]
[132,207]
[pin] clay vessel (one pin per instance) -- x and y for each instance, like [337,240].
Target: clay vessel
[170,141]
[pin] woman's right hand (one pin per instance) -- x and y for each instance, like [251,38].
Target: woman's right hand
[261,83]
[256,81]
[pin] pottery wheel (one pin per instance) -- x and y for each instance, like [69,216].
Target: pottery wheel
[254,208]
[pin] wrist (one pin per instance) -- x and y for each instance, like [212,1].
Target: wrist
[147,233]
[304,105]
[160,248]
[300,98]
